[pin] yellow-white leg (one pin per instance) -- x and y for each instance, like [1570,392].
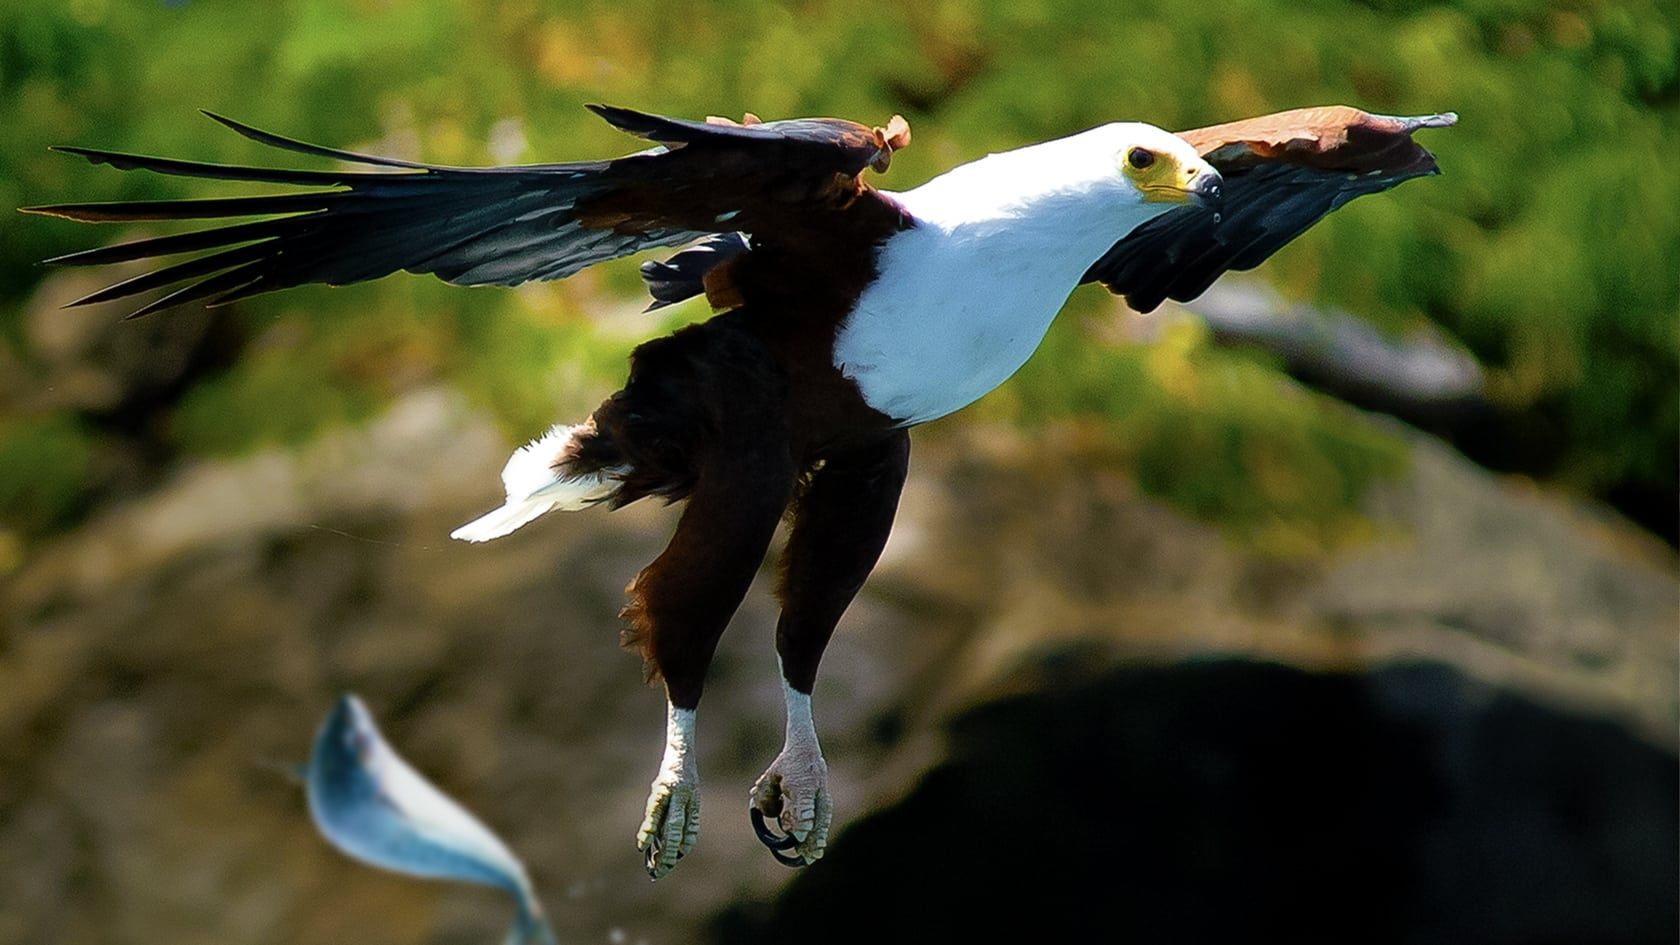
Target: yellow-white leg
[672,824]
[793,791]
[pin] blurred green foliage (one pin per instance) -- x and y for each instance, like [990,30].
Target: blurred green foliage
[1551,247]
[42,463]
[1217,435]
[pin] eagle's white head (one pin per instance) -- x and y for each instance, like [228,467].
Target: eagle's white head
[1157,166]
[1095,185]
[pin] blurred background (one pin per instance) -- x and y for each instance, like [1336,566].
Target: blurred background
[1339,605]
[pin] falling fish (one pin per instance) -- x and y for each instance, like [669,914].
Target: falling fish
[371,804]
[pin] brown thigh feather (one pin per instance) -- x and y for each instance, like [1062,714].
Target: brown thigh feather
[704,416]
[840,524]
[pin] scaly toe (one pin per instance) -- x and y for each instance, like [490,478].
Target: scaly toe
[671,827]
[811,834]
[815,844]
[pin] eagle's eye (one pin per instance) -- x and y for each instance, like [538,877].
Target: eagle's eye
[1140,158]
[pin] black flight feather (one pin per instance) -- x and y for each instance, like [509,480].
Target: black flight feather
[473,226]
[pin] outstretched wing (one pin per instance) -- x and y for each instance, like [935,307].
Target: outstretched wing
[1282,173]
[781,181]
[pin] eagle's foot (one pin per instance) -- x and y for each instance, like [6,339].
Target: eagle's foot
[793,794]
[672,824]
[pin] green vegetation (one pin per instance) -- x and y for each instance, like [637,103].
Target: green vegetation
[1551,247]
[1215,433]
[43,462]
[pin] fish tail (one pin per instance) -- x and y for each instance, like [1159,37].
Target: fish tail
[530,926]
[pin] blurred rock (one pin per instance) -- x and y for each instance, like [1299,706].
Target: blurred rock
[1044,543]
[1223,801]
[157,662]
[1417,377]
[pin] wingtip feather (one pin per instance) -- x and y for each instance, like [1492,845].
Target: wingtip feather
[611,114]
[1411,123]
[225,121]
[89,154]
[62,211]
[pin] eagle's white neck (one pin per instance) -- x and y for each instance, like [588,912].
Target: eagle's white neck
[1060,196]
[963,298]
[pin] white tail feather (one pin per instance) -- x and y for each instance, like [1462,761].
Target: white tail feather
[535,486]
[503,521]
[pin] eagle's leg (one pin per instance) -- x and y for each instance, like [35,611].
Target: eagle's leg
[680,604]
[840,525]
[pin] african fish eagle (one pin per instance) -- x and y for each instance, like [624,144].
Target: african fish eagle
[847,316]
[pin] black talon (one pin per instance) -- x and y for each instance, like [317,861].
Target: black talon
[794,861]
[650,856]
[770,838]
[774,841]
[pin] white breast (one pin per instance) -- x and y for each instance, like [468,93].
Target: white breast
[947,320]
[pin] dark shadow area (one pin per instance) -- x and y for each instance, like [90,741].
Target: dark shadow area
[1229,802]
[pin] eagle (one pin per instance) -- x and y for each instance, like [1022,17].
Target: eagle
[844,316]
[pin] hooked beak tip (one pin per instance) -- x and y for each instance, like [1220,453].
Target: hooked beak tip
[1208,191]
